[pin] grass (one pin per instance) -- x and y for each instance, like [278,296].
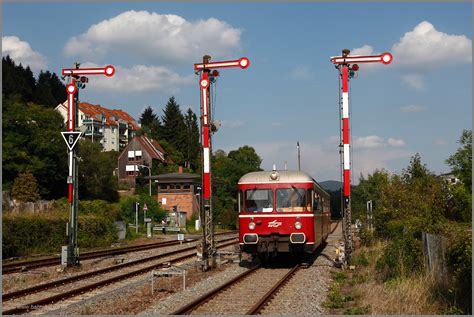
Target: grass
[407,295]
[336,298]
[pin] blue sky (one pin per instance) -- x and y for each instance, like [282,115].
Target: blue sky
[419,103]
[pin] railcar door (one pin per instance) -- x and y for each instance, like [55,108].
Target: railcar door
[318,218]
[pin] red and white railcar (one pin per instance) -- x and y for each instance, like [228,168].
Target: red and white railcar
[282,211]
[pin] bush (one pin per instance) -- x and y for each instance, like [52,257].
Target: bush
[26,234]
[25,188]
[31,234]
[402,257]
[459,260]
[127,209]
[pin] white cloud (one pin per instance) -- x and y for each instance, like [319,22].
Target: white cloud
[21,52]
[323,161]
[364,50]
[139,78]
[371,141]
[395,142]
[414,80]
[412,108]
[302,72]
[424,47]
[156,37]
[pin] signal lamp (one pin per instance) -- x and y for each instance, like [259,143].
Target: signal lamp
[355,67]
[212,79]
[84,79]
[351,73]
[215,73]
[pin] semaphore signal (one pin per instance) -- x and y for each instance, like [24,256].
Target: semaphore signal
[77,80]
[207,127]
[346,64]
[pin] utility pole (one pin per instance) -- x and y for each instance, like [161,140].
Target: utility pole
[347,68]
[207,127]
[299,156]
[77,80]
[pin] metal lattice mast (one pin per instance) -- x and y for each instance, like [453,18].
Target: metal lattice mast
[206,79]
[347,68]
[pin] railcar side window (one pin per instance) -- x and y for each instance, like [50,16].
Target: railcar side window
[291,199]
[259,200]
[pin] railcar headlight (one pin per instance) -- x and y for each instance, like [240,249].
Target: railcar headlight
[298,225]
[251,225]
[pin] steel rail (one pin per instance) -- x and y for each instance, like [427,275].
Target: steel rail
[26,265]
[67,280]
[335,227]
[267,297]
[208,296]
[52,299]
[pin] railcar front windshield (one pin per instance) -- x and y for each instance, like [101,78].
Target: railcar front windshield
[259,200]
[291,199]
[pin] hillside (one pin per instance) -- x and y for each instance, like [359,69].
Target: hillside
[331,185]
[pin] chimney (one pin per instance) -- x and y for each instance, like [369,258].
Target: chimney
[180,169]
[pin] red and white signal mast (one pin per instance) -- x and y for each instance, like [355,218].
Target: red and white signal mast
[77,80]
[207,78]
[346,64]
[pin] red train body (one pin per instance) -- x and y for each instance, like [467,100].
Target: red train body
[282,211]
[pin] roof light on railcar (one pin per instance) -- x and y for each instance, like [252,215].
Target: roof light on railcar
[274,175]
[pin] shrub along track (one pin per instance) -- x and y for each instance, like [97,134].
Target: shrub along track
[32,264]
[35,297]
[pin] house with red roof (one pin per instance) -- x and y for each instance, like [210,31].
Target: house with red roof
[112,128]
[141,150]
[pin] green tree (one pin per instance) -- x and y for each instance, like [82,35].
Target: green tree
[32,142]
[96,179]
[147,117]
[461,161]
[17,80]
[43,94]
[193,147]
[58,89]
[25,188]
[174,129]
[369,189]
[226,171]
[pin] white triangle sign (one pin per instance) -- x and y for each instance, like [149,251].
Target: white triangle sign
[71,138]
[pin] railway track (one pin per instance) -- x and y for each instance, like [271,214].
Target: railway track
[10,268]
[29,299]
[246,294]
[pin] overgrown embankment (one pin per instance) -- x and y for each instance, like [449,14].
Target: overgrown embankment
[27,233]
[391,277]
